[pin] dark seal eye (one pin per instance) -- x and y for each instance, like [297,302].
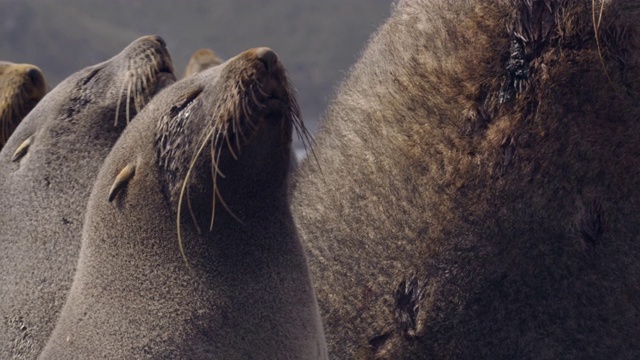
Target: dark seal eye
[91,75]
[186,100]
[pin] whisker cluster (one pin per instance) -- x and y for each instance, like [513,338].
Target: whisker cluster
[137,80]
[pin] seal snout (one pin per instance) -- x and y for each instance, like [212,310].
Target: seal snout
[35,75]
[159,40]
[160,52]
[268,57]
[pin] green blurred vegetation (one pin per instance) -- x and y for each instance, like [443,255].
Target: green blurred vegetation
[317,40]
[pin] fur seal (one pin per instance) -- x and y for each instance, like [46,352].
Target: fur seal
[46,172]
[200,60]
[478,192]
[245,291]
[21,87]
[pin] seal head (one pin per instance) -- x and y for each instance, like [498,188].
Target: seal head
[204,260]
[47,169]
[200,60]
[21,87]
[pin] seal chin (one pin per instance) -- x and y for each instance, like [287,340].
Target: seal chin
[275,107]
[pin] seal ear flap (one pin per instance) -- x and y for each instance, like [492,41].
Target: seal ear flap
[22,149]
[122,180]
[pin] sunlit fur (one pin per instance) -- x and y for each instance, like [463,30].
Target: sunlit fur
[200,60]
[19,93]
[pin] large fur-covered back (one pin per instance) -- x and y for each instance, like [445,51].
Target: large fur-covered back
[475,190]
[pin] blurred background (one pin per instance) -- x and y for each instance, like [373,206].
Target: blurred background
[317,40]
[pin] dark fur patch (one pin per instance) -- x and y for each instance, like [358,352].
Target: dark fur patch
[378,342]
[409,296]
[534,21]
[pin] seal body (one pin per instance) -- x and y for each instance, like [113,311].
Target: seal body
[476,194]
[21,87]
[46,172]
[200,60]
[213,151]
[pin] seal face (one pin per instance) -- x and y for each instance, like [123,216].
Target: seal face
[21,87]
[200,60]
[478,193]
[201,174]
[47,169]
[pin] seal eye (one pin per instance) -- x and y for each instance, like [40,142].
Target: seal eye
[91,75]
[186,100]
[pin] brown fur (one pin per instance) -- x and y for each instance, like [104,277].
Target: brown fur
[200,60]
[21,87]
[221,135]
[478,192]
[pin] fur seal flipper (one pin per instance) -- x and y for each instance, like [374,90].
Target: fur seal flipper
[479,187]
[47,169]
[211,157]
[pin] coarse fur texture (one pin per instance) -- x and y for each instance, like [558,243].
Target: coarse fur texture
[46,172]
[21,87]
[477,190]
[220,139]
[200,60]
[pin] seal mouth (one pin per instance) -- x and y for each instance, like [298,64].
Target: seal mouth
[275,106]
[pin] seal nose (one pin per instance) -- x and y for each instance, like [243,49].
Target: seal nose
[34,75]
[160,40]
[268,57]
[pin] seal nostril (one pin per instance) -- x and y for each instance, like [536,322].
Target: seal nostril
[267,56]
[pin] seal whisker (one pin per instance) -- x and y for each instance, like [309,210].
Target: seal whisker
[127,110]
[226,207]
[246,108]
[302,132]
[226,136]
[259,87]
[191,212]
[181,197]
[120,92]
[139,96]
[218,146]
[255,100]
[237,127]
[5,125]
[248,120]
[214,165]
